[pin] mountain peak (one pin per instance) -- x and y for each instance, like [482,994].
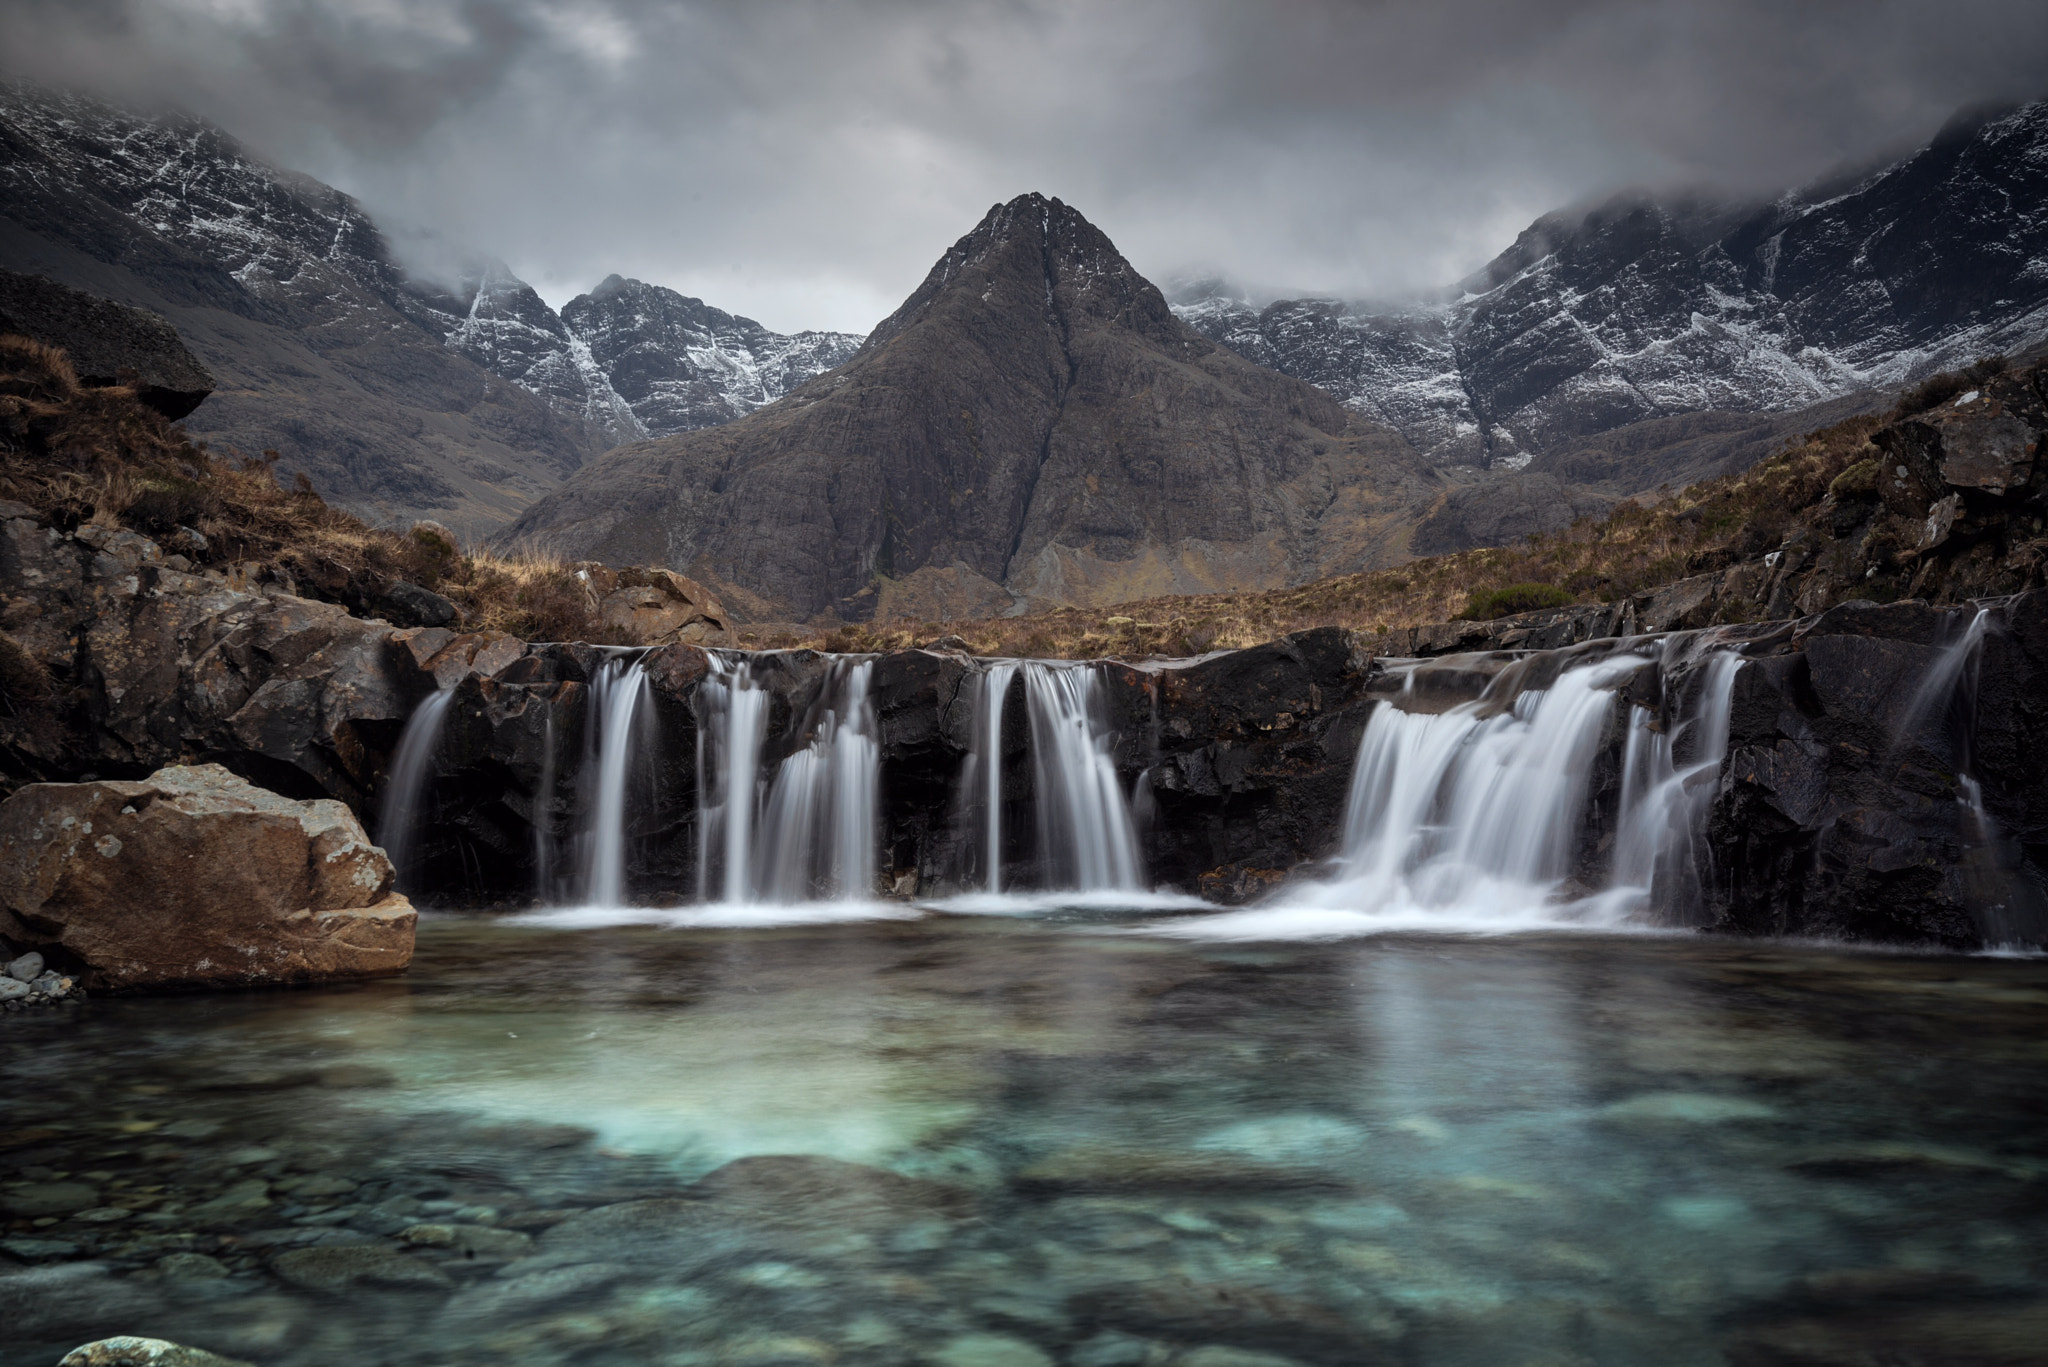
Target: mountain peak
[1032,425]
[1040,255]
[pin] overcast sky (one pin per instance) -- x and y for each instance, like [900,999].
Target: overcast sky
[805,163]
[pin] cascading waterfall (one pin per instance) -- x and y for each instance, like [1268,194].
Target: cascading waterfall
[615,698]
[818,827]
[1085,836]
[1472,817]
[984,779]
[732,716]
[812,830]
[398,824]
[1668,782]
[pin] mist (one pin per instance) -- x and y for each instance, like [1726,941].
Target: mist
[804,163]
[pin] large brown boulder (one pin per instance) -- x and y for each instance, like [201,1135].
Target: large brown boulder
[652,606]
[196,878]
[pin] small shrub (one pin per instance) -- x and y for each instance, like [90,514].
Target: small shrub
[1487,604]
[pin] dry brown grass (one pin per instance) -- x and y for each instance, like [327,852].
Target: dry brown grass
[81,455]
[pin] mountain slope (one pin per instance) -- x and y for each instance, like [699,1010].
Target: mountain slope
[399,397]
[1639,310]
[290,295]
[1032,425]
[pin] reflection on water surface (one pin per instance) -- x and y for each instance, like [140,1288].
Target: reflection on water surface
[1008,1141]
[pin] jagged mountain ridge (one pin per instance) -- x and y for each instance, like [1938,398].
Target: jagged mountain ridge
[680,364]
[1642,309]
[1033,425]
[398,396]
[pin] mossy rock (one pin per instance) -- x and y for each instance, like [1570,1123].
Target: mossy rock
[1859,481]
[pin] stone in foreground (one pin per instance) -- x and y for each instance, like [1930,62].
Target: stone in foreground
[195,878]
[127,1351]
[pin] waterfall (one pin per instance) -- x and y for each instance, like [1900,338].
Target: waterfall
[1467,816]
[818,826]
[398,823]
[983,789]
[1669,778]
[812,830]
[732,713]
[1942,714]
[1946,701]
[615,698]
[1085,837]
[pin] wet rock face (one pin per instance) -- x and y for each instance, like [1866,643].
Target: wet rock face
[1845,806]
[194,878]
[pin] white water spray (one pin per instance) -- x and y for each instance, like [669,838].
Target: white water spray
[1669,778]
[984,786]
[615,698]
[732,714]
[398,824]
[812,829]
[1085,837]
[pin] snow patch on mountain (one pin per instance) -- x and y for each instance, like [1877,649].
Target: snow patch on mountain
[1640,309]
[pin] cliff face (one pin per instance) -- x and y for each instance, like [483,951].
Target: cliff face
[1579,359]
[1033,424]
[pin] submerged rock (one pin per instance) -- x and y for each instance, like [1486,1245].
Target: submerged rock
[137,1352]
[337,1267]
[196,878]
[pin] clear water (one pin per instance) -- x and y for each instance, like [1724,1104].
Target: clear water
[1029,1139]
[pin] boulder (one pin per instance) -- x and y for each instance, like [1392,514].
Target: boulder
[195,878]
[652,606]
[409,605]
[128,1351]
[108,343]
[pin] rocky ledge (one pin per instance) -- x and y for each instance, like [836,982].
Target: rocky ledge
[1839,811]
[194,878]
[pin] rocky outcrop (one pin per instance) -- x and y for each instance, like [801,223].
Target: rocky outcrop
[1854,801]
[107,343]
[1033,422]
[129,1351]
[195,878]
[1870,794]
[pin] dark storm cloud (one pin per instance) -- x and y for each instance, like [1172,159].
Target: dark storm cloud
[806,161]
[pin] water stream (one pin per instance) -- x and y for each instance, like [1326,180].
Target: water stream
[615,738]
[983,788]
[807,832]
[405,789]
[1085,838]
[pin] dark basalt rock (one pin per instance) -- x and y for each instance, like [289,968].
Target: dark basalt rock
[1852,802]
[108,343]
[409,605]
